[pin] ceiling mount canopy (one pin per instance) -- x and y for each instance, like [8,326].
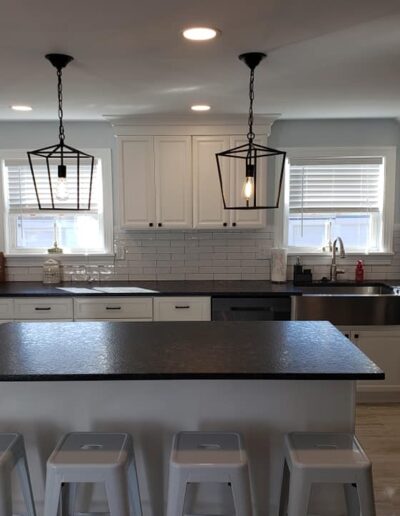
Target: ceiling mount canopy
[251,162]
[62,175]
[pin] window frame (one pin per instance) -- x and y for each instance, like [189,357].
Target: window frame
[282,215]
[7,241]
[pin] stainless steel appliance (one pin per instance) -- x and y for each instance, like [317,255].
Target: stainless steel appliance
[250,309]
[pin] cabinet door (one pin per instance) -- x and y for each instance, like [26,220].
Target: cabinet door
[111,308]
[383,348]
[207,199]
[136,182]
[43,309]
[182,309]
[247,218]
[173,176]
[6,309]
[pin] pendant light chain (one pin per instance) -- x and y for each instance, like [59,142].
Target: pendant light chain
[61,132]
[250,134]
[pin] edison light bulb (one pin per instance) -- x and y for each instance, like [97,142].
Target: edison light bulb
[62,189]
[248,188]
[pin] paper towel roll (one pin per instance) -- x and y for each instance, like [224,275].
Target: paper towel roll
[278,264]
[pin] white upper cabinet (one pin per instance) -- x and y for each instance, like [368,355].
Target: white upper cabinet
[209,210]
[173,178]
[155,182]
[137,196]
[207,198]
[168,176]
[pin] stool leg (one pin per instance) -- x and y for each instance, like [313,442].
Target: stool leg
[52,495]
[284,490]
[134,489]
[5,492]
[366,493]
[352,501]
[68,498]
[299,494]
[241,492]
[176,495]
[117,493]
[26,486]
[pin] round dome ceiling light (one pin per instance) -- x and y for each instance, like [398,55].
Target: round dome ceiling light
[200,107]
[21,108]
[200,33]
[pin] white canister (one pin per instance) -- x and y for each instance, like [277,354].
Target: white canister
[278,264]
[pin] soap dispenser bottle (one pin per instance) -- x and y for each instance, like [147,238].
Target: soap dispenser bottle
[359,271]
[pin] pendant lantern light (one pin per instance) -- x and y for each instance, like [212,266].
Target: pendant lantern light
[252,158]
[62,175]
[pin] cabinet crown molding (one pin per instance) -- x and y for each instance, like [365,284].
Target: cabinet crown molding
[189,125]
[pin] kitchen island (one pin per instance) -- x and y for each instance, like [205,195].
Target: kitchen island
[260,378]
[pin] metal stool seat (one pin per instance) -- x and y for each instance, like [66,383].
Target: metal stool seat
[90,457]
[208,457]
[314,457]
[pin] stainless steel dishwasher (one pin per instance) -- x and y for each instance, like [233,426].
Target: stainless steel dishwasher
[250,308]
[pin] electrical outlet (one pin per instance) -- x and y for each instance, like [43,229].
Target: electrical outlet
[120,252]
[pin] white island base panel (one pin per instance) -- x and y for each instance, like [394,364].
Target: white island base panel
[262,410]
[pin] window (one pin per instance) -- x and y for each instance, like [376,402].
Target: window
[28,230]
[339,192]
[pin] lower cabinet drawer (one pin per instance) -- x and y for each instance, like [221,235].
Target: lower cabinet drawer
[139,309]
[6,309]
[43,308]
[182,309]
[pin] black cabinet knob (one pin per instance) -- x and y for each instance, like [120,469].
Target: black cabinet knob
[356,335]
[234,224]
[159,224]
[225,224]
[151,224]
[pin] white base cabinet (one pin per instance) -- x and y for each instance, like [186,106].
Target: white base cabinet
[43,309]
[382,345]
[182,309]
[113,308]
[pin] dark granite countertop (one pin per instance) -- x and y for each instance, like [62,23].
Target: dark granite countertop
[180,350]
[153,288]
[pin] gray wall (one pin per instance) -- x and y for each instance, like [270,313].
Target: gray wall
[285,133]
[340,133]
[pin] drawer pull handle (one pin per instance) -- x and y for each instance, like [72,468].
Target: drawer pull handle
[113,308]
[43,308]
[181,307]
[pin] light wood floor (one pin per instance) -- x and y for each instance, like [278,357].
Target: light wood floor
[378,429]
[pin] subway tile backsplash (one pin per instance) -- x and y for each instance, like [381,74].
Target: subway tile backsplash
[208,255]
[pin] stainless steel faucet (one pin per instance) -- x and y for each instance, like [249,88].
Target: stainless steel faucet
[334,271]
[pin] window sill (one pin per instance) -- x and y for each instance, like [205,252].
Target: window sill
[383,258]
[26,260]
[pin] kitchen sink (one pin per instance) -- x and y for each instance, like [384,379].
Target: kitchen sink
[348,304]
[337,289]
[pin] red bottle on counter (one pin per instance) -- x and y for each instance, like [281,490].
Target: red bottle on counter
[359,271]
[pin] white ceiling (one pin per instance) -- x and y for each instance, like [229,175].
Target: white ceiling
[326,59]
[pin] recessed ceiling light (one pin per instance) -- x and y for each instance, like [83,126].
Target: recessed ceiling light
[200,107]
[21,108]
[200,33]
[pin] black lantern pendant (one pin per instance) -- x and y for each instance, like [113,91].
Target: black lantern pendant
[252,155]
[62,175]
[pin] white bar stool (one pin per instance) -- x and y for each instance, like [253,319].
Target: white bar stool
[90,457]
[208,457]
[12,455]
[327,458]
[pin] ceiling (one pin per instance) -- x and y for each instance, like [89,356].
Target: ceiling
[326,59]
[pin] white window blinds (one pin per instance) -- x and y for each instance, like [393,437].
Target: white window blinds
[336,185]
[20,189]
